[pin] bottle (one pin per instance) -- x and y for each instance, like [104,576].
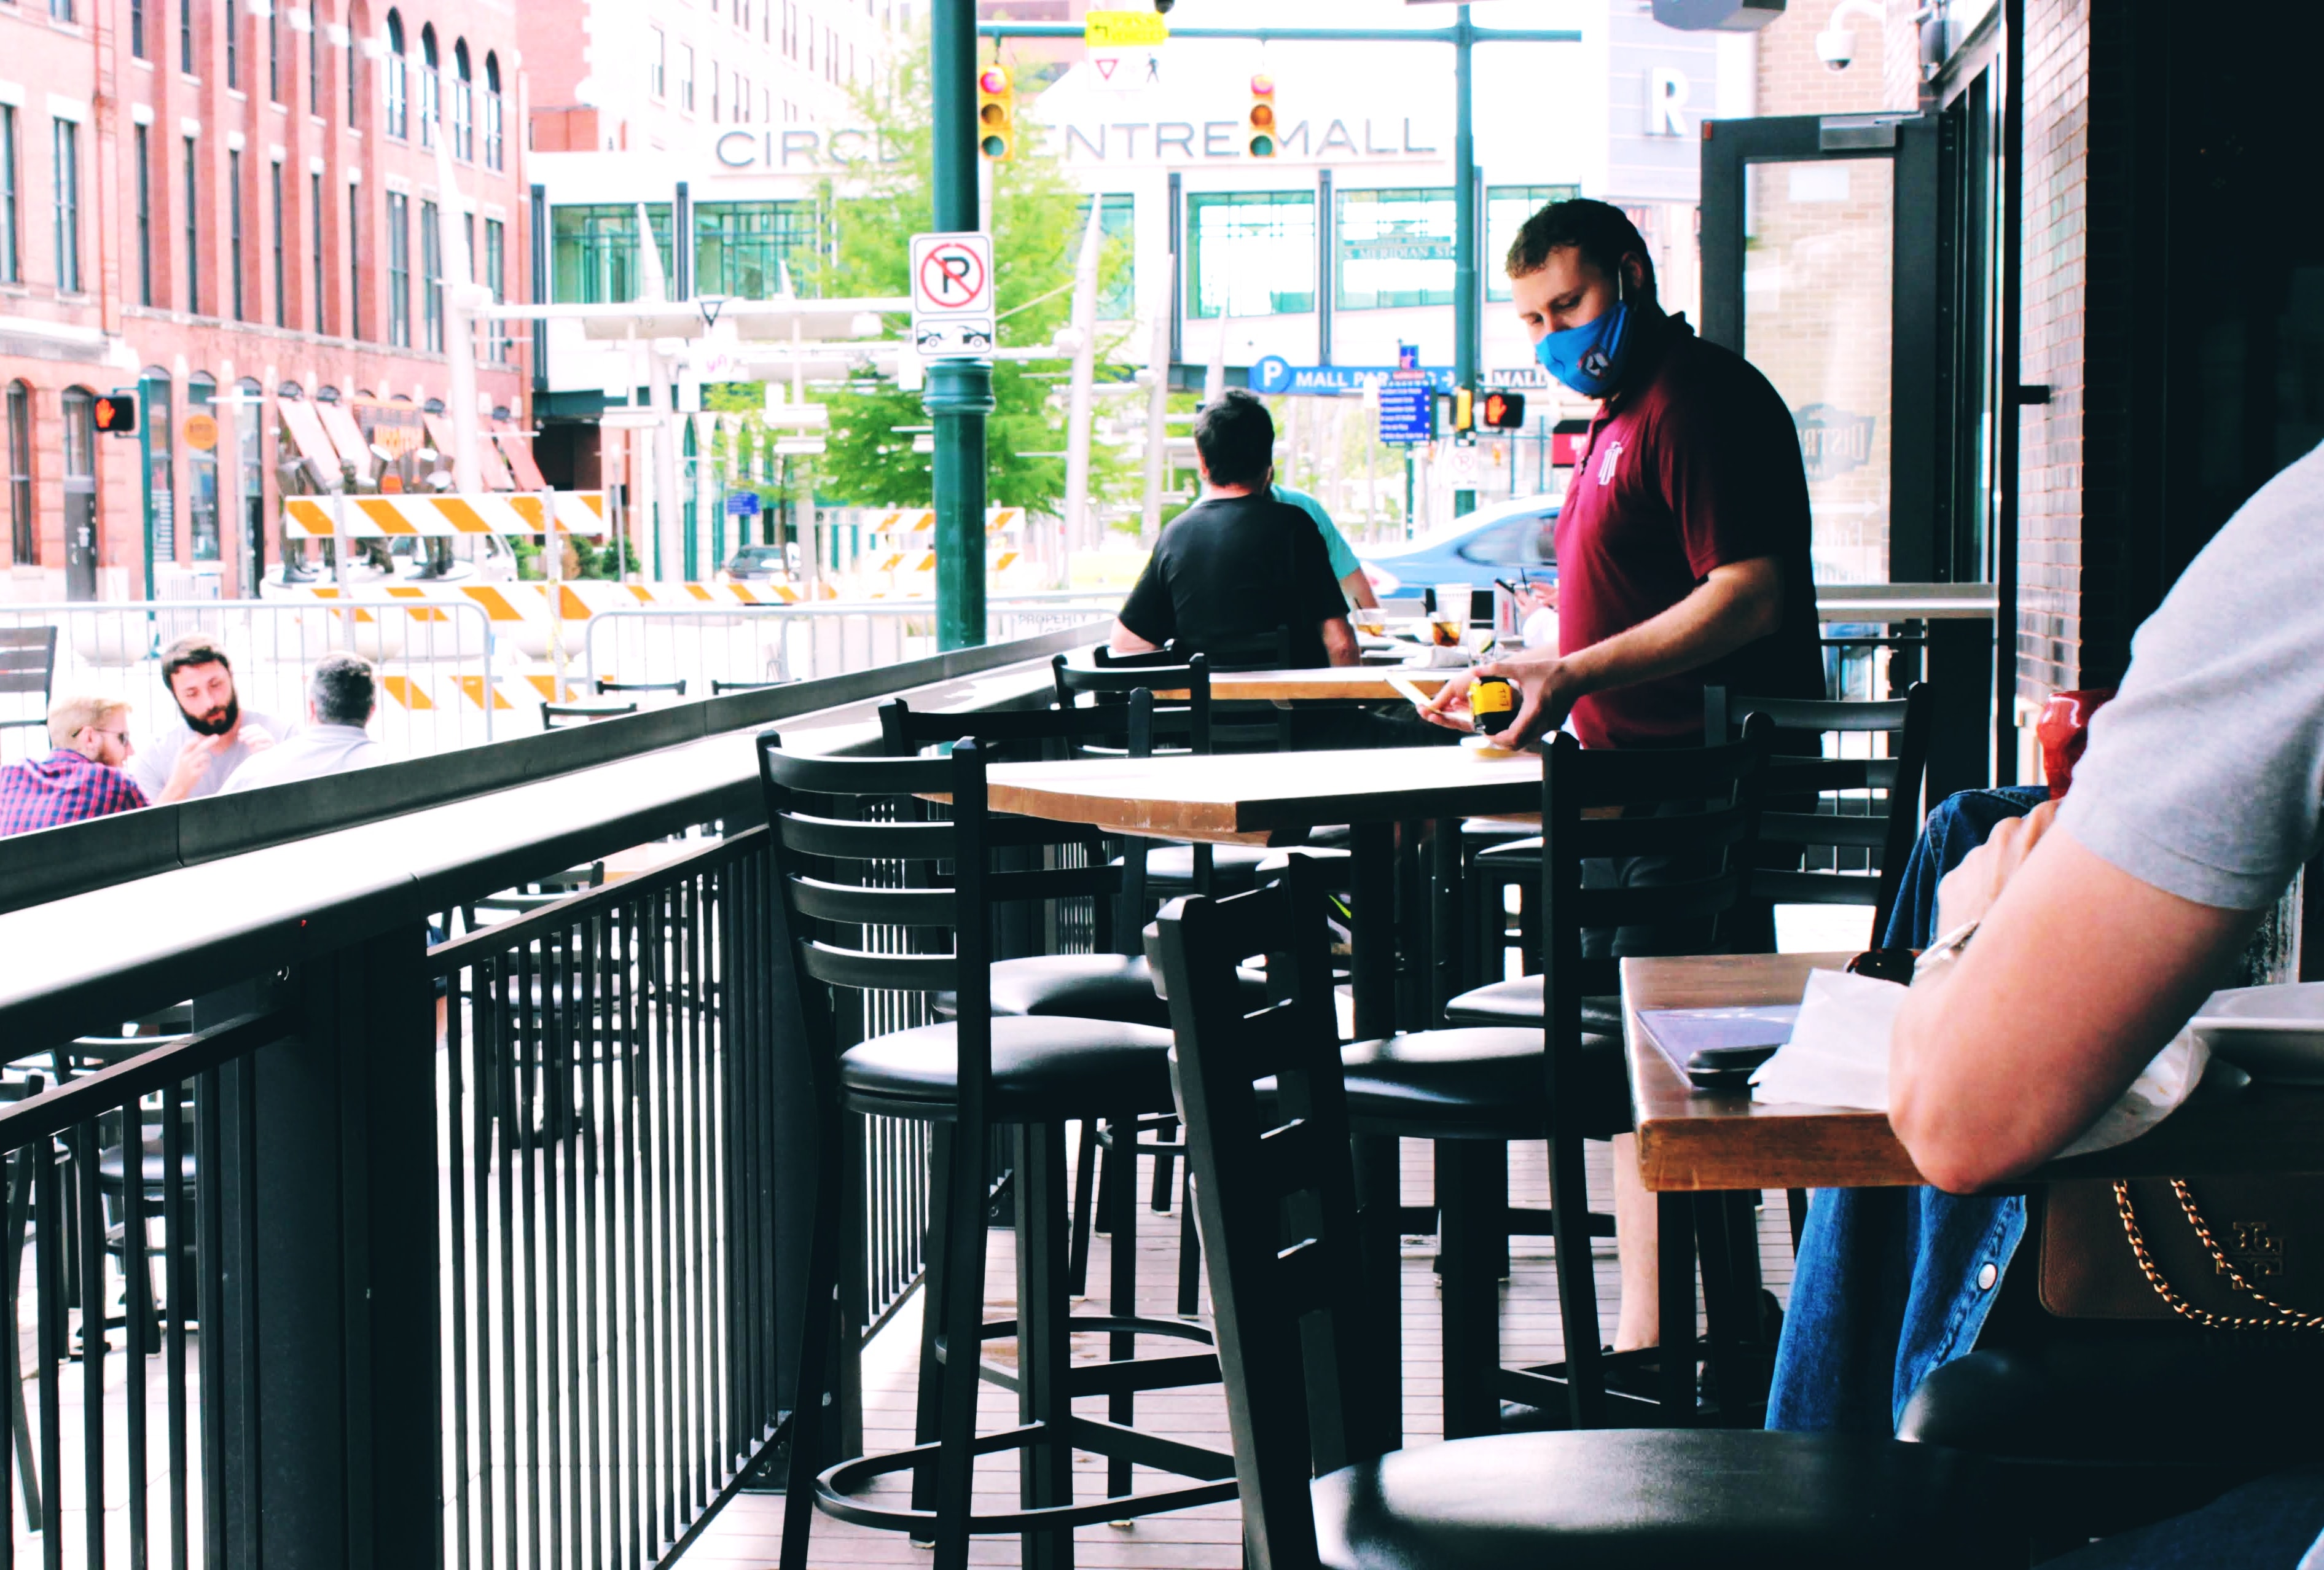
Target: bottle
[1492,704]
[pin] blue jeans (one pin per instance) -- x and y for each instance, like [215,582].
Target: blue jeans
[1893,1283]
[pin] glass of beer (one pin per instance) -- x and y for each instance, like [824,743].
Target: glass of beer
[1449,627]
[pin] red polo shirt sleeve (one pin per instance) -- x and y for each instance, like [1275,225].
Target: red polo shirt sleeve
[1722,467]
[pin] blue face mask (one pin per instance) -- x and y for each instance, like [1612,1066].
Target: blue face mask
[1589,358]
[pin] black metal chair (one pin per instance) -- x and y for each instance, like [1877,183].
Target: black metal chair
[557,717]
[878,897]
[1475,1090]
[28,663]
[675,688]
[1268,1119]
[719,688]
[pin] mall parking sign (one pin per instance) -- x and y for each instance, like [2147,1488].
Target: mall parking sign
[952,294]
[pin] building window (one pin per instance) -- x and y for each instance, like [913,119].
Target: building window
[432,274]
[66,175]
[495,148]
[1393,248]
[137,28]
[355,262]
[80,440]
[281,275]
[274,52]
[432,87]
[658,63]
[399,270]
[193,234]
[496,278]
[685,77]
[24,526]
[232,44]
[743,248]
[1506,207]
[315,214]
[186,36]
[12,260]
[202,475]
[1117,295]
[355,79]
[314,60]
[1252,253]
[61,10]
[594,251]
[464,104]
[399,117]
[145,215]
[154,393]
[234,228]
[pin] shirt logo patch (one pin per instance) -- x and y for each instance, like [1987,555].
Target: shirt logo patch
[1605,464]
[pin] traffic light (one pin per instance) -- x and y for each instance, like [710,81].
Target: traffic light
[117,414]
[1259,123]
[1504,411]
[1464,410]
[996,114]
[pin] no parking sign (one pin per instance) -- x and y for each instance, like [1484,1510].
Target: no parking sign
[952,294]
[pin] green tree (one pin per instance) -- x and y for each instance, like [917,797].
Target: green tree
[1036,238]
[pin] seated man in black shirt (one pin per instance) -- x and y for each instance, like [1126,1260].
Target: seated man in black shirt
[1238,566]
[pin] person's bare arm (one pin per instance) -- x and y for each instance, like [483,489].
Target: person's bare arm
[192,761]
[1340,642]
[2077,976]
[1359,588]
[1737,603]
[1125,641]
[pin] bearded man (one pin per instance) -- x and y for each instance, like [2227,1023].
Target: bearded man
[214,734]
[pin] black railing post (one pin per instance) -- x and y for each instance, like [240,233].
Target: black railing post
[328,1228]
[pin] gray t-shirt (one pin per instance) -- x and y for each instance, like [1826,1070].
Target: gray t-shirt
[151,764]
[2205,777]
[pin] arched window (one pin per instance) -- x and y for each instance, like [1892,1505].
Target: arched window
[399,116]
[356,21]
[464,104]
[24,535]
[431,85]
[495,153]
[202,472]
[327,394]
[161,434]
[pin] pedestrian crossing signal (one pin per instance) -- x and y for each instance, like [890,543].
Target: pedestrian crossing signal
[1260,124]
[1504,411]
[115,413]
[996,114]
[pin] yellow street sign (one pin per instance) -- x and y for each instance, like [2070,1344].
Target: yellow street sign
[1124,29]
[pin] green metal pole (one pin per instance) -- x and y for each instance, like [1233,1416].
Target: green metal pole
[1409,531]
[959,392]
[1466,324]
[145,478]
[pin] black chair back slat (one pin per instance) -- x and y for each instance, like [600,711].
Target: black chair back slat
[802,774]
[853,840]
[905,730]
[1701,899]
[556,716]
[28,660]
[1278,1232]
[852,967]
[675,688]
[1269,650]
[854,903]
[1656,834]
[1882,830]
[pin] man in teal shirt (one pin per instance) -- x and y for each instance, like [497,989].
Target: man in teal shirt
[1344,565]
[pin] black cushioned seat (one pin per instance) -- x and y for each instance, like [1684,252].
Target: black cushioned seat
[1477,1084]
[1661,1500]
[1044,1069]
[1517,1001]
[1525,851]
[1088,986]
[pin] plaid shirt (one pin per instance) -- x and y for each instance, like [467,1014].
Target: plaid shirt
[62,788]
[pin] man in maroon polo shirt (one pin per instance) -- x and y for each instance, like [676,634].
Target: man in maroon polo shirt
[1682,563]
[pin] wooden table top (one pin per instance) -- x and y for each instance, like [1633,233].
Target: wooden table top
[1336,681]
[1243,797]
[1689,1141]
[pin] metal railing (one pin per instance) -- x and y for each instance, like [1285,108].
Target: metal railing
[434,659]
[774,643]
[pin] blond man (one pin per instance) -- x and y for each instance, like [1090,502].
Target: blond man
[81,778]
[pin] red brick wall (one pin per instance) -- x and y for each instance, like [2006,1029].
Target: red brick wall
[1793,81]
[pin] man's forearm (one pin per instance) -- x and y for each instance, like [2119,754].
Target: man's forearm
[1125,641]
[1359,588]
[1340,645]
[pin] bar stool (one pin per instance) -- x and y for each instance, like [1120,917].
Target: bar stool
[875,897]
[1268,1121]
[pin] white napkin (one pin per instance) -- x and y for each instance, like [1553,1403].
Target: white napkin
[1838,1056]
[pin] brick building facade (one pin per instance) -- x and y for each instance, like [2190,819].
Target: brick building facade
[224,204]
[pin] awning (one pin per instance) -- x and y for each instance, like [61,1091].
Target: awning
[496,476]
[308,435]
[339,422]
[518,446]
[477,512]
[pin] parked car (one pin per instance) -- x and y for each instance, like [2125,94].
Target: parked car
[759,563]
[1499,539]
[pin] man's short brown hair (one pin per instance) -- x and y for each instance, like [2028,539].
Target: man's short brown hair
[193,649]
[69,716]
[1602,232]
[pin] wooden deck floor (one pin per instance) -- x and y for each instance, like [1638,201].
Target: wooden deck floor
[746,1535]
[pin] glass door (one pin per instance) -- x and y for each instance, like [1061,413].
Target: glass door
[1819,260]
